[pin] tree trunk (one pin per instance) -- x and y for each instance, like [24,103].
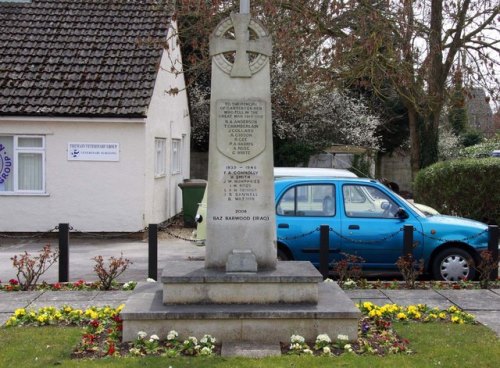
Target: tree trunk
[414,141]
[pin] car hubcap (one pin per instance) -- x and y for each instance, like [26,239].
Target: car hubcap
[454,268]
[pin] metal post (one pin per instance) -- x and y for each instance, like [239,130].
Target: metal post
[324,245]
[63,252]
[493,248]
[153,251]
[408,240]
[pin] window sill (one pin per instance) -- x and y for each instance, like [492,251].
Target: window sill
[162,176]
[15,194]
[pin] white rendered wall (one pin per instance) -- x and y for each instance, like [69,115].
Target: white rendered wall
[168,117]
[90,195]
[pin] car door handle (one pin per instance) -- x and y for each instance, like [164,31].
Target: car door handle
[283,226]
[353,227]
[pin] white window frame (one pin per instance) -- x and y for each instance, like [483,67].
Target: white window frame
[176,156]
[160,157]
[16,151]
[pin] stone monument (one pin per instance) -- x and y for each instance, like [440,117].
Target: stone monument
[240,294]
[241,234]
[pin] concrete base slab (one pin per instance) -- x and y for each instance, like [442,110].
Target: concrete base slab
[192,283]
[473,300]
[334,314]
[490,319]
[412,297]
[250,349]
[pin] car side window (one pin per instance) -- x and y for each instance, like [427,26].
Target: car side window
[308,201]
[366,201]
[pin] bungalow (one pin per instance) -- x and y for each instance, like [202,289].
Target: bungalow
[90,133]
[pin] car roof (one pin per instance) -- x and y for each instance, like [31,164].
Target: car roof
[280,182]
[280,172]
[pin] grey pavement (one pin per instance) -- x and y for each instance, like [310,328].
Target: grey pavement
[484,304]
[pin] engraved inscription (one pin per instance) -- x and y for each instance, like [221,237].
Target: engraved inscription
[241,128]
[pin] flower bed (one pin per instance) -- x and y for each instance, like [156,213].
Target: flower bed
[419,285]
[102,330]
[13,285]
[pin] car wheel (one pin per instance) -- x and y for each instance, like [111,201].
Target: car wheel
[283,256]
[453,264]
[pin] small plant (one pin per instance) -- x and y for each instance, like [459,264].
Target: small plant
[410,269]
[486,265]
[108,275]
[348,268]
[298,346]
[29,268]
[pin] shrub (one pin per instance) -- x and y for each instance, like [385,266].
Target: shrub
[108,275]
[467,188]
[29,268]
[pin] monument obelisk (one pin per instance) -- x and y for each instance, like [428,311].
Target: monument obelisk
[241,235]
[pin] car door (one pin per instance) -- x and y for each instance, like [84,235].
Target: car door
[372,228]
[300,210]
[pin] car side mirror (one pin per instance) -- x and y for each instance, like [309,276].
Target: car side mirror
[401,213]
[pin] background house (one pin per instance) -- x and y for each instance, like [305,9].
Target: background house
[88,132]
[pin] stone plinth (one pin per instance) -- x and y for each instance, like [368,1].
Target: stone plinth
[334,314]
[189,282]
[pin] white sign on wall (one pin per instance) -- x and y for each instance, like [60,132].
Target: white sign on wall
[79,151]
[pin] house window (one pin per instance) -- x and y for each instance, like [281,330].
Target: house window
[22,164]
[160,157]
[176,156]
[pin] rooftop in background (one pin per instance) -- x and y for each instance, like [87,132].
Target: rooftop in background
[281,172]
[80,58]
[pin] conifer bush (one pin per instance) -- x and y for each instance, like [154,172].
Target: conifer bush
[466,187]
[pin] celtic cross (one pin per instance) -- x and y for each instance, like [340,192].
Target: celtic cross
[241,45]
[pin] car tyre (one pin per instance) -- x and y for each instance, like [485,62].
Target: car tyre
[453,264]
[283,256]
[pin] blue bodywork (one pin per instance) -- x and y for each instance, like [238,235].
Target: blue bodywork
[379,241]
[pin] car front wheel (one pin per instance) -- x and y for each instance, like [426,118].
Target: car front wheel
[453,264]
[282,255]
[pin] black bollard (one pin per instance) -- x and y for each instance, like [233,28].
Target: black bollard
[63,252]
[153,251]
[324,245]
[493,248]
[408,240]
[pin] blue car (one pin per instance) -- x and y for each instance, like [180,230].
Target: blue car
[366,219]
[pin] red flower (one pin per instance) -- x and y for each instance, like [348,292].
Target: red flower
[56,286]
[111,349]
[13,282]
[94,323]
[8,287]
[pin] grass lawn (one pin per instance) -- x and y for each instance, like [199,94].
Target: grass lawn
[435,344]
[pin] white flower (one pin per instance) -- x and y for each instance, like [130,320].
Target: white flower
[142,334]
[135,351]
[172,335]
[206,351]
[348,347]
[150,280]
[297,339]
[328,280]
[323,338]
[126,285]
[327,350]
[193,339]
[343,337]
[295,346]
[154,338]
[308,351]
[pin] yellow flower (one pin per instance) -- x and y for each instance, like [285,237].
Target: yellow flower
[442,315]
[368,305]
[452,309]
[67,309]
[401,316]
[20,312]
[456,319]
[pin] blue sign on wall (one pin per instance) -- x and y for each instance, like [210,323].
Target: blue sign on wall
[5,164]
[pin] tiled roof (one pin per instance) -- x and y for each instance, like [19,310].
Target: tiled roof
[96,58]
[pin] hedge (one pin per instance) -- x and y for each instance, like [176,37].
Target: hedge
[466,187]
